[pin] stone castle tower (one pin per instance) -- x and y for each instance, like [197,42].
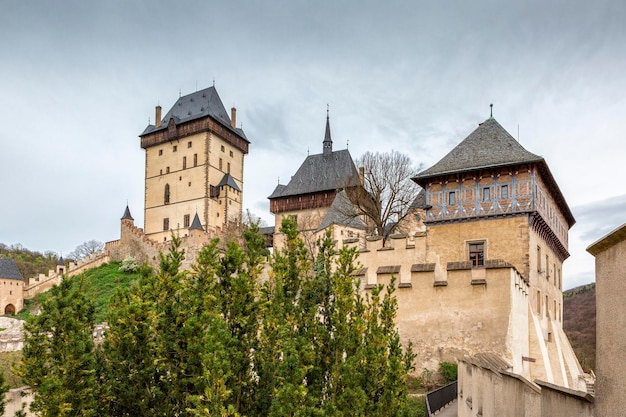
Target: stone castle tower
[194,165]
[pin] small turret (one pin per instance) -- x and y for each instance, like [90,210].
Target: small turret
[61,266]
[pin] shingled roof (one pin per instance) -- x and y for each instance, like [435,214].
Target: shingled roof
[341,212]
[8,270]
[321,172]
[228,179]
[194,106]
[490,145]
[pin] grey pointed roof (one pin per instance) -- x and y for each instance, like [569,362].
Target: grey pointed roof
[61,261]
[228,179]
[127,215]
[8,270]
[196,105]
[341,212]
[321,172]
[195,224]
[489,145]
[420,200]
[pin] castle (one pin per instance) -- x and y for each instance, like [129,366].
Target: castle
[478,262]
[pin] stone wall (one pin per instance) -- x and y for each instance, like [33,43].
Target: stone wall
[487,388]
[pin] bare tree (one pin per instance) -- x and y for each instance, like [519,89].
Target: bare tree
[85,249]
[387,192]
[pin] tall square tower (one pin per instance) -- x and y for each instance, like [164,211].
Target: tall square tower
[194,164]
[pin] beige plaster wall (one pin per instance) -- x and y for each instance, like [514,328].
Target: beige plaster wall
[610,253]
[190,183]
[11,292]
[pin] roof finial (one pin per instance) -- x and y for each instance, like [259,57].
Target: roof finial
[179,93]
[491,111]
[214,81]
[307,151]
[347,143]
[327,110]
[279,180]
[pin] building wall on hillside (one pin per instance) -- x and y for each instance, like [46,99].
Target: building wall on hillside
[488,389]
[610,253]
[11,295]
[488,392]
[449,312]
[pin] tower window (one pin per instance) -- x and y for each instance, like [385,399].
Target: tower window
[166,197]
[189,144]
[160,152]
[175,148]
[452,198]
[486,194]
[186,220]
[167,170]
[228,167]
[220,164]
[195,159]
[166,224]
[184,162]
[477,253]
[538,258]
[231,154]
[222,148]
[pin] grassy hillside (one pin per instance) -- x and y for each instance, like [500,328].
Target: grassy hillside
[579,323]
[99,284]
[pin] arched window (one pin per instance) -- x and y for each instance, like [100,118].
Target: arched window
[167,194]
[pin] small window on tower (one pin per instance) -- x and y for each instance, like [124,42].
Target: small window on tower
[222,148]
[166,197]
[228,167]
[477,253]
[452,198]
[175,148]
[195,159]
[486,194]
[160,152]
[189,144]
[166,224]
[186,220]
[184,162]
[231,154]
[167,170]
[220,164]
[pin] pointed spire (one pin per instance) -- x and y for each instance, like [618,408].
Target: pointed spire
[127,215]
[328,142]
[61,261]
[491,111]
[195,224]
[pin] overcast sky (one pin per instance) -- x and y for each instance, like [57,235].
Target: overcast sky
[79,81]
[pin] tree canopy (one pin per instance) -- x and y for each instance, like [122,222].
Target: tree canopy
[387,192]
[223,339]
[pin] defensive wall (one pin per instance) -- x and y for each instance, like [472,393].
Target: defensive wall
[487,387]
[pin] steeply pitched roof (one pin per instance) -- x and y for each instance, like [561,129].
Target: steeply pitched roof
[195,224]
[195,106]
[8,270]
[228,179]
[321,172]
[127,215]
[61,261]
[489,145]
[341,212]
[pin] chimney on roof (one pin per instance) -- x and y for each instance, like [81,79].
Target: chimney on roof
[233,118]
[157,117]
